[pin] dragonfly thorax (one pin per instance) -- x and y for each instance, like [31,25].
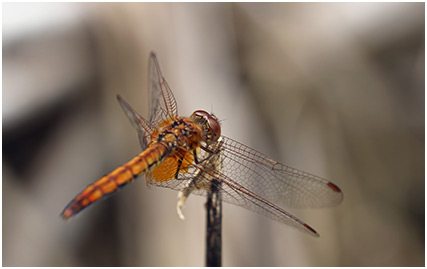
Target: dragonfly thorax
[210,125]
[181,133]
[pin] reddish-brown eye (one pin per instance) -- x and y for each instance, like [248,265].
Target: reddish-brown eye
[211,127]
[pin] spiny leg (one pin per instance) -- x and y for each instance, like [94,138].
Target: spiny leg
[199,181]
[188,189]
[195,183]
[211,153]
[178,167]
[184,194]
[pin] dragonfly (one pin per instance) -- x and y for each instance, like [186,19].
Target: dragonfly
[189,154]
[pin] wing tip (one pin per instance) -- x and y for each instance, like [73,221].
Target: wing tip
[311,230]
[334,187]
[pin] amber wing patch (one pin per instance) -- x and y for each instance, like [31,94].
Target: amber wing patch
[166,170]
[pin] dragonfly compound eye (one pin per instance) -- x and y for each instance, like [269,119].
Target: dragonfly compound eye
[211,126]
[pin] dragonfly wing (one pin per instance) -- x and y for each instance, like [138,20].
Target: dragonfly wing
[142,126]
[236,194]
[274,181]
[199,177]
[212,171]
[163,103]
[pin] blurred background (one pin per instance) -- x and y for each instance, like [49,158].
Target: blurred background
[333,89]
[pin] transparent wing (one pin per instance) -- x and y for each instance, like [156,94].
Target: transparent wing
[253,181]
[234,193]
[142,126]
[163,103]
[274,181]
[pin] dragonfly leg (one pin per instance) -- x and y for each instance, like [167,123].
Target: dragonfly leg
[200,181]
[184,194]
[178,167]
[211,153]
[196,183]
[196,160]
[216,151]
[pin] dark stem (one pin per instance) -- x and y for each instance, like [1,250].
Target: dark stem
[213,226]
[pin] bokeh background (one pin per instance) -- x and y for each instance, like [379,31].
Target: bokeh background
[333,89]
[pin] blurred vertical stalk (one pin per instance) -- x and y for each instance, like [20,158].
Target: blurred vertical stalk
[213,225]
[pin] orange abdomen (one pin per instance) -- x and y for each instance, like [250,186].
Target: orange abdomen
[108,184]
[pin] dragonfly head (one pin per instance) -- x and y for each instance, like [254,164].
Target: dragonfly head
[210,125]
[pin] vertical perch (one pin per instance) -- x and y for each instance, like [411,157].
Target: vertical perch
[213,226]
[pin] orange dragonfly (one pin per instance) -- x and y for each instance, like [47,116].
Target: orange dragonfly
[189,154]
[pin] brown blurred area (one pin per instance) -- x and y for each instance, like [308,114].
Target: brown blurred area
[333,89]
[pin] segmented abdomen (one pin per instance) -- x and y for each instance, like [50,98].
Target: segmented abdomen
[108,184]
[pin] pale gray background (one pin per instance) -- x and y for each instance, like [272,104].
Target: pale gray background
[333,89]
